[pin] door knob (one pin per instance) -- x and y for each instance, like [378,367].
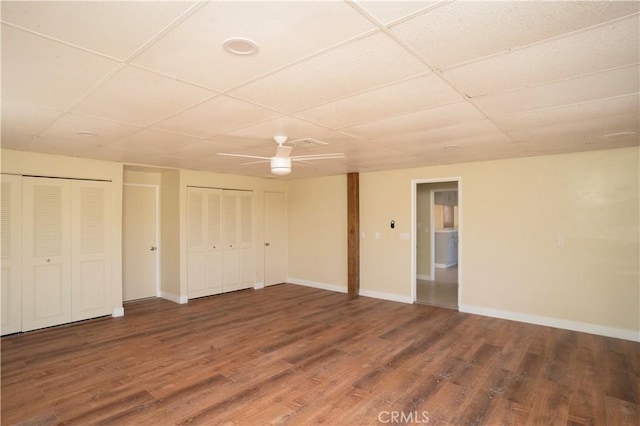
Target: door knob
[154,248]
[267,244]
[48,260]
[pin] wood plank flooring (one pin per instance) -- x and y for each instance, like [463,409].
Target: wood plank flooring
[295,355]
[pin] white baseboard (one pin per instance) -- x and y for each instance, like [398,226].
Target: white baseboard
[174,297]
[117,312]
[424,277]
[386,296]
[314,284]
[258,285]
[618,333]
[339,289]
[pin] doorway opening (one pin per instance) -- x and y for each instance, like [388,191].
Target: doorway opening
[436,230]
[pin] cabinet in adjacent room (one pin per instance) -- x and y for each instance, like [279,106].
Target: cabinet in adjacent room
[446,246]
[445,198]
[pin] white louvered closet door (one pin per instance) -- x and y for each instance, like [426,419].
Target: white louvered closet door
[11,253]
[204,244]
[46,285]
[91,249]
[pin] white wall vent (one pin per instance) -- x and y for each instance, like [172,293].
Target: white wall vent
[308,143]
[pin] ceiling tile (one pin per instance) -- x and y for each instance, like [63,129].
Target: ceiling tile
[599,49]
[85,130]
[149,140]
[284,32]
[617,82]
[129,24]
[357,66]
[462,31]
[590,131]
[140,97]
[123,155]
[215,116]
[442,116]
[405,96]
[20,122]
[444,135]
[387,12]
[47,73]
[622,105]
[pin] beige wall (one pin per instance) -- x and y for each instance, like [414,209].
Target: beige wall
[27,163]
[509,258]
[170,234]
[510,264]
[318,231]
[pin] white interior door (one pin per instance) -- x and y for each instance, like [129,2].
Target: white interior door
[47,252]
[275,237]
[11,253]
[238,249]
[139,242]
[91,249]
[204,245]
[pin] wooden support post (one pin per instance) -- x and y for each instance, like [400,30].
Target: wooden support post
[353,226]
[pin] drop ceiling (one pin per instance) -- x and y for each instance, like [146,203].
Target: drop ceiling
[392,85]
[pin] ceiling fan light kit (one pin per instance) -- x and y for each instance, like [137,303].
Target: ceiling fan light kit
[280,166]
[281,161]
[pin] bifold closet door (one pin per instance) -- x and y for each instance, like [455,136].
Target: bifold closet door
[11,253]
[66,251]
[90,249]
[237,228]
[46,279]
[204,251]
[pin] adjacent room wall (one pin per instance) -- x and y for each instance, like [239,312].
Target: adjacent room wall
[423,226]
[318,232]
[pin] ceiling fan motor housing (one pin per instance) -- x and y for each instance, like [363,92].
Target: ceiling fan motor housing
[280,166]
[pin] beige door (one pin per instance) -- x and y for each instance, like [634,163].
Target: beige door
[11,253]
[275,237]
[204,251]
[47,252]
[139,242]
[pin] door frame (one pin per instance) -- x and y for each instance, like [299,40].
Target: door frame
[414,240]
[157,233]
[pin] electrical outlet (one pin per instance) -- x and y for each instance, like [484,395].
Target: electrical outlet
[560,241]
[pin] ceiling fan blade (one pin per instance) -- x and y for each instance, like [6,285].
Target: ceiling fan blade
[243,156]
[283,151]
[317,157]
[255,162]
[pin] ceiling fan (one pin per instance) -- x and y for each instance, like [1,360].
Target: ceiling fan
[281,162]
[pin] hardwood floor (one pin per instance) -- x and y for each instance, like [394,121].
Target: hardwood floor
[296,355]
